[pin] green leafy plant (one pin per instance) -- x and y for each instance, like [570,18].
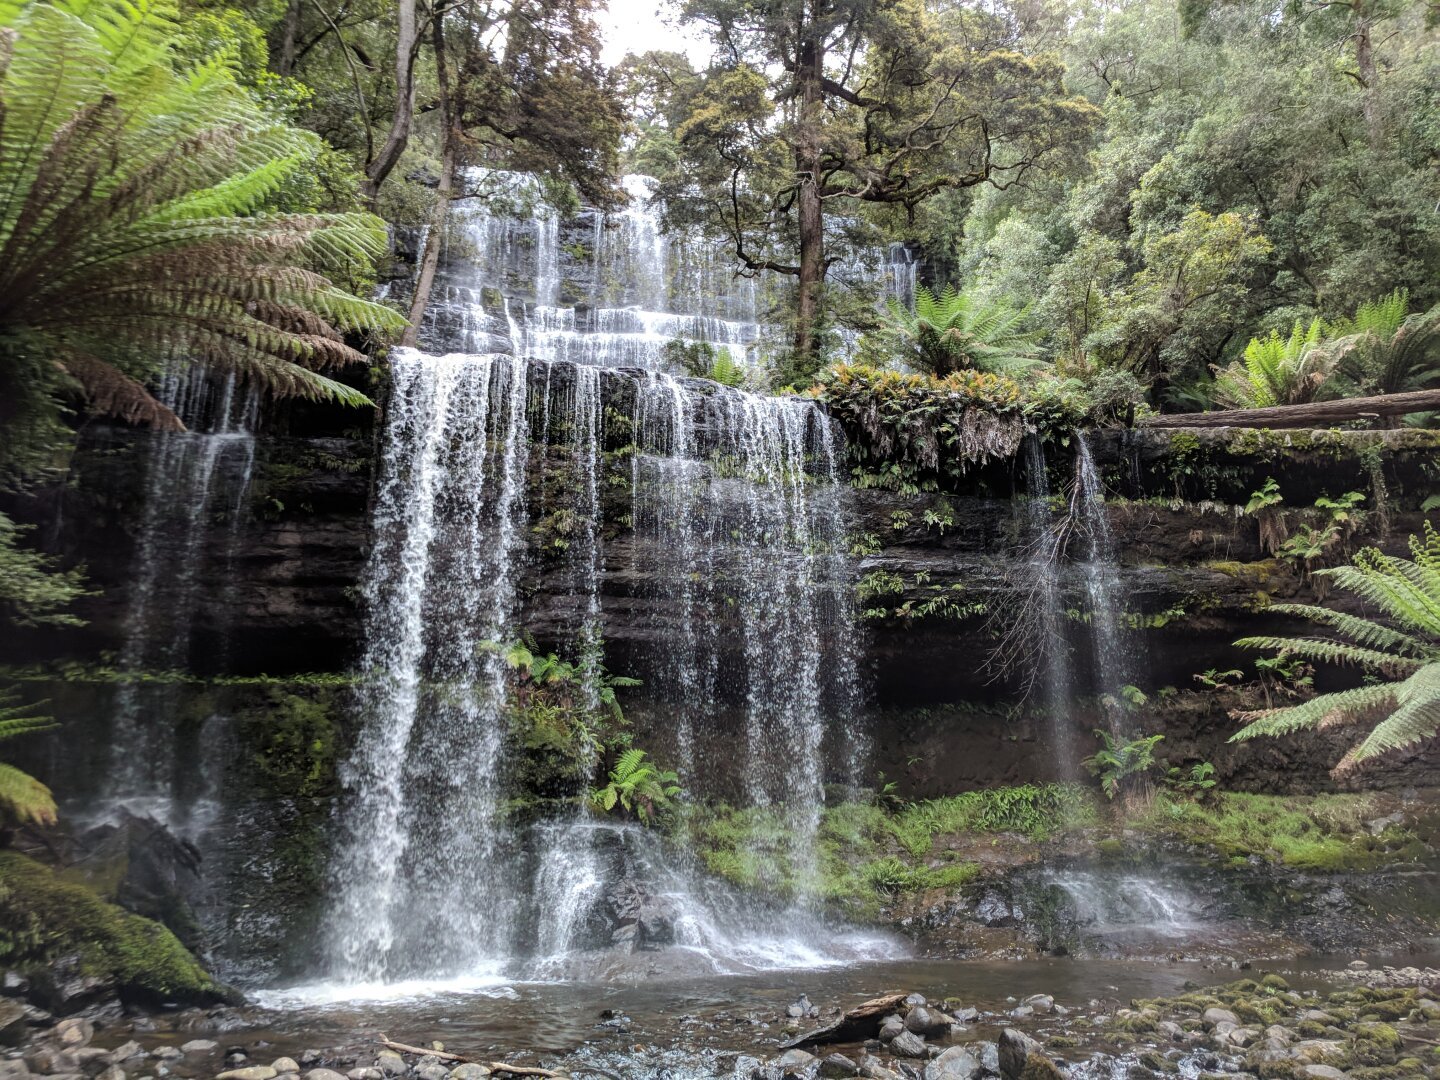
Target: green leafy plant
[1214,679]
[1386,350]
[23,799]
[701,360]
[1403,651]
[637,786]
[1122,762]
[136,220]
[1197,780]
[953,331]
[1276,370]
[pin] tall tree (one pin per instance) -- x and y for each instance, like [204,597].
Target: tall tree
[817,105]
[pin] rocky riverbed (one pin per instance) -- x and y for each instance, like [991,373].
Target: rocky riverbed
[1363,1023]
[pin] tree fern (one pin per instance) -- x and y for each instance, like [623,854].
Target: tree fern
[23,799]
[1386,350]
[1276,370]
[1404,648]
[951,331]
[134,229]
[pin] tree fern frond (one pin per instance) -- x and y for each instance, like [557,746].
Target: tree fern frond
[1334,652]
[1364,632]
[25,800]
[1351,705]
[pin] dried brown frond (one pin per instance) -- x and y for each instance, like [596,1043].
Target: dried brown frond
[110,392]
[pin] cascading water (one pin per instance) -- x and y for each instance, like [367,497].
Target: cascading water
[1104,592]
[194,480]
[736,542]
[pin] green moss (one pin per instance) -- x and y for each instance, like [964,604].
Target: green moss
[1315,832]
[44,917]
[292,733]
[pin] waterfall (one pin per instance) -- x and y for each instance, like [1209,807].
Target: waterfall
[1104,591]
[1045,615]
[194,479]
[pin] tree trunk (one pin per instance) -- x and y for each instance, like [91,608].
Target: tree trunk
[808,73]
[407,48]
[435,235]
[1312,414]
[285,64]
[1369,75]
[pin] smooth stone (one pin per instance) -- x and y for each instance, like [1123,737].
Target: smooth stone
[1357,965]
[111,1072]
[324,1074]
[433,1071]
[74,1032]
[1318,1051]
[88,1056]
[1021,1012]
[366,1073]
[923,1021]
[875,1069]
[892,1027]
[967,1015]
[908,1044]
[391,1063]
[125,1051]
[915,999]
[283,1065]
[197,1046]
[837,1067]
[252,1072]
[1213,1016]
[1015,1047]
[469,1071]
[956,1063]
[1323,1072]
[1041,1003]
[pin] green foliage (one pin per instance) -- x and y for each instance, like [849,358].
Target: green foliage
[701,360]
[1034,811]
[1197,780]
[637,786]
[1121,760]
[134,208]
[32,591]
[1276,370]
[1403,651]
[910,432]
[952,331]
[44,918]
[23,799]
[1385,350]
[1319,832]
[294,736]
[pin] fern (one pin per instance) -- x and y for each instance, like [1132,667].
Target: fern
[1385,350]
[1405,648]
[953,331]
[134,230]
[1276,370]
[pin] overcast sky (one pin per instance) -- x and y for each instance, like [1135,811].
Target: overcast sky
[637,26]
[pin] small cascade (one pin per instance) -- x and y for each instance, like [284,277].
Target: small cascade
[901,274]
[1107,905]
[1045,615]
[197,482]
[1104,590]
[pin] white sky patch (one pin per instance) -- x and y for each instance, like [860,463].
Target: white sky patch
[638,26]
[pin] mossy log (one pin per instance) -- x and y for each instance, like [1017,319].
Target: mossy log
[1312,414]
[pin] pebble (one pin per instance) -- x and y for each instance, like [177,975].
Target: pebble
[198,1046]
[283,1065]
[324,1074]
[469,1071]
[253,1072]
[366,1073]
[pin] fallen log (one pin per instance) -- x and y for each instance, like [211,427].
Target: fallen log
[856,1025]
[1312,414]
[493,1066]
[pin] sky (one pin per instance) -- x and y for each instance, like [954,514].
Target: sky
[637,26]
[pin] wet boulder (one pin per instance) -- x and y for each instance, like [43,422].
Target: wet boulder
[956,1063]
[1015,1047]
[924,1021]
[908,1044]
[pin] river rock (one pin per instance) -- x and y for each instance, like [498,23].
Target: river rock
[199,1046]
[391,1063]
[74,1032]
[1015,1047]
[911,1000]
[432,1070]
[892,1026]
[908,1044]
[126,1051]
[956,1063]
[1319,1052]
[283,1065]
[838,1066]
[923,1021]
[875,1069]
[111,1072]
[14,1022]
[251,1072]
[172,1053]
[1322,1072]
[469,1071]
[1213,1016]
[1040,1003]
[49,1058]
[324,1074]
[14,1070]
[368,1072]
[966,1015]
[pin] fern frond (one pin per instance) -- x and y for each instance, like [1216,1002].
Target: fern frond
[1349,705]
[1416,716]
[1333,652]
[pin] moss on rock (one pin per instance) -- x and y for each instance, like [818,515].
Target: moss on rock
[45,919]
